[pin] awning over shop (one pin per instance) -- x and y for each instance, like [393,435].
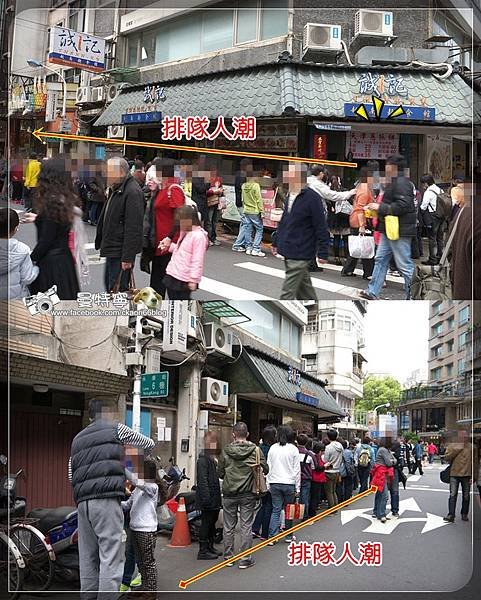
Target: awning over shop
[303,89]
[272,376]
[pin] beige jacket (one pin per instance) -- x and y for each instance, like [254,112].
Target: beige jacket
[460,458]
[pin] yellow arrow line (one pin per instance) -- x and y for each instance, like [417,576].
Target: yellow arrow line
[185,582]
[39,134]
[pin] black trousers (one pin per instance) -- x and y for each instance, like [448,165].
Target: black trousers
[159,265]
[208,520]
[316,494]
[144,544]
[351,263]
[418,464]
[436,239]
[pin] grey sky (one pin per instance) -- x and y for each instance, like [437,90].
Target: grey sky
[397,337]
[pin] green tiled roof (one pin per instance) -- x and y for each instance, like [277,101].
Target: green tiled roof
[309,90]
[273,374]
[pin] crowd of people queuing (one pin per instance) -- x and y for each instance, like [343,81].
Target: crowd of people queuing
[117,485]
[166,212]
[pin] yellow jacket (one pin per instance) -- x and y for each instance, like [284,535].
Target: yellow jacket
[187,187]
[31,173]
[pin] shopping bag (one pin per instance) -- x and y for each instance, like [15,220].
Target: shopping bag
[259,485]
[361,246]
[294,511]
[392,227]
[131,291]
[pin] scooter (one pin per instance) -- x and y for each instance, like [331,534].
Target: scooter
[8,493]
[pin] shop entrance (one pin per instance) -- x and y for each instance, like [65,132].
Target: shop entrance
[257,416]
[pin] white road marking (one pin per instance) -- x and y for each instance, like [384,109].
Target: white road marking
[359,272]
[320,284]
[428,489]
[225,290]
[414,477]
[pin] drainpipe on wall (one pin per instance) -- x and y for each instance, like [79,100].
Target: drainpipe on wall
[290,30]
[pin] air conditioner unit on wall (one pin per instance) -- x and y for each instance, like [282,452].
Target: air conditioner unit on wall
[218,339]
[82,95]
[375,23]
[97,94]
[111,92]
[115,131]
[321,37]
[214,392]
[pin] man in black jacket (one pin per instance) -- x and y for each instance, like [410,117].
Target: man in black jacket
[208,497]
[119,230]
[97,473]
[398,201]
[302,234]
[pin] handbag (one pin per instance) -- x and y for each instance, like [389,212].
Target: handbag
[276,214]
[259,485]
[445,475]
[433,282]
[392,227]
[131,290]
[294,511]
[361,246]
[222,203]
[343,206]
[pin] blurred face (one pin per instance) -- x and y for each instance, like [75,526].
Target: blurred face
[186,224]
[153,185]
[294,175]
[391,172]
[115,173]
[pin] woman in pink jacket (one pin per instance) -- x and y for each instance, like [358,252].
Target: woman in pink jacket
[186,266]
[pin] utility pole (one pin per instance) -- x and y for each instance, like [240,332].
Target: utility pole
[136,398]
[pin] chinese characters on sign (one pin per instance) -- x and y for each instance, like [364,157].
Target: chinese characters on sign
[153,93]
[320,146]
[80,50]
[382,85]
[323,554]
[294,376]
[197,128]
[373,146]
[89,299]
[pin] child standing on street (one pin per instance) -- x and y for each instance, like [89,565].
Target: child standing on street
[143,522]
[186,266]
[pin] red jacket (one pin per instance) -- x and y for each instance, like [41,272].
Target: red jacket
[318,476]
[379,474]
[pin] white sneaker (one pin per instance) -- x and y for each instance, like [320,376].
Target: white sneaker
[257,253]
[238,249]
[290,538]
[248,250]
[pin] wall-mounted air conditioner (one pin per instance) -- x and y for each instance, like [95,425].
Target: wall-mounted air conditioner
[218,339]
[82,95]
[116,131]
[323,38]
[214,392]
[97,94]
[112,91]
[373,23]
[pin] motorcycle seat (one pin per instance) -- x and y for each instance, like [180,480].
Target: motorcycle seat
[51,517]
[17,510]
[189,497]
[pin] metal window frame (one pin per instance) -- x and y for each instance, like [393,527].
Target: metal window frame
[258,25]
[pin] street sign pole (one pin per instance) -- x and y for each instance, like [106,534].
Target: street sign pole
[137,377]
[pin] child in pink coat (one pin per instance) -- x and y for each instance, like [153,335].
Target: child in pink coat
[186,266]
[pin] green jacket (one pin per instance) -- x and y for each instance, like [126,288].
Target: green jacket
[251,198]
[235,468]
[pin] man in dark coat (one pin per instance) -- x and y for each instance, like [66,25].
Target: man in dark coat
[302,234]
[207,497]
[119,230]
[466,252]
[398,201]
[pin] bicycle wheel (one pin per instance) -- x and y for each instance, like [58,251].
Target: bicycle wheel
[38,556]
[12,568]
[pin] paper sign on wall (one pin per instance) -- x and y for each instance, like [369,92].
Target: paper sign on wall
[161,421]
[168,434]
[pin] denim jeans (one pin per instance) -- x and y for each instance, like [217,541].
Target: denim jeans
[394,491]
[347,486]
[431,458]
[363,473]
[112,270]
[380,501]
[263,517]
[305,495]
[130,559]
[401,251]
[243,240]
[453,494]
[282,494]
[254,221]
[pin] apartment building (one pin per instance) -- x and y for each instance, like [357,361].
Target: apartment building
[332,348]
[433,408]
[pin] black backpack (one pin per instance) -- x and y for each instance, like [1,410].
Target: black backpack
[444,206]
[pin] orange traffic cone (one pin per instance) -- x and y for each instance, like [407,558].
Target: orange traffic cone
[180,534]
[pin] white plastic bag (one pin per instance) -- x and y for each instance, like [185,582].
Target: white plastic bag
[361,246]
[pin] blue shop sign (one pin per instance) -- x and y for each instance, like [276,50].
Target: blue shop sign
[413,113]
[142,117]
[306,399]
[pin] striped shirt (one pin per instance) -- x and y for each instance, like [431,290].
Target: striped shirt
[128,437]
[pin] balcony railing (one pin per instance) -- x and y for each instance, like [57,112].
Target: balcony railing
[458,389]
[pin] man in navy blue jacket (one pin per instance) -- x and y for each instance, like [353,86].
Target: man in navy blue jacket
[302,234]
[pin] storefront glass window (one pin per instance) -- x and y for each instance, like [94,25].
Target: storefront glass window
[273,18]
[247,22]
[217,30]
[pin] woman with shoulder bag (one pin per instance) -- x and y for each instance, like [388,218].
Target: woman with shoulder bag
[318,479]
[339,221]
[358,222]
[260,527]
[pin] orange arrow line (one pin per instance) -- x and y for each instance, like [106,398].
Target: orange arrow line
[185,582]
[39,134]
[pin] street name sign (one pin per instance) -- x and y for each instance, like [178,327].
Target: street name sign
[154,385]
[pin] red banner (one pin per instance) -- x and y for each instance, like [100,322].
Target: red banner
[320,145]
